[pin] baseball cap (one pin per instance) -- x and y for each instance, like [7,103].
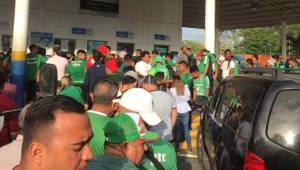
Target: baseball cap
[122,128]
[140,101]
[132,74]
[159,59]
[102,49]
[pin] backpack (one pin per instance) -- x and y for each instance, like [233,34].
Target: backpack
[210,71]
[191,61]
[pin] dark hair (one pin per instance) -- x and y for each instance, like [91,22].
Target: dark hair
[32,47]
[227,50]
[184,63]
[255,56]
[128,68]
[97,55]
[276,57]
[139,50]
[127,58]
[3,78]
[149,80]
[145,53]
[194,69]
[128,80]
[176,78]
[56,50]
[160,76]
[109,48]
[42,51]
[104,91]
[41,116]
[250,61]
[81,52]
[168,55]
[155,52]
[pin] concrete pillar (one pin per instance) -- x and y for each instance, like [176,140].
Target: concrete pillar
[19,47]
[283,38]
[210,25]
[217,44]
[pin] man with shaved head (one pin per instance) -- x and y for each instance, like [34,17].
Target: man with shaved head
[55,135]
[102,95]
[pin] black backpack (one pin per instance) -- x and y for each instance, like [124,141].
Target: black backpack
[191,61]
[210,71]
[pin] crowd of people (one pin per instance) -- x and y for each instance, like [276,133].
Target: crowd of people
[110,111]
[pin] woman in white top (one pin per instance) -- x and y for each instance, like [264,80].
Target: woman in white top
[181,95]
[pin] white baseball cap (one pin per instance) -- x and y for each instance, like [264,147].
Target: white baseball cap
[140,101]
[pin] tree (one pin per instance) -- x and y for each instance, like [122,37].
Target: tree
[259,40]
[196,46]
[293,39]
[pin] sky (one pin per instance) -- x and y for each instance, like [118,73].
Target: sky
[193,34]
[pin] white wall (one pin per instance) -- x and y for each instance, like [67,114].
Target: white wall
[142,17]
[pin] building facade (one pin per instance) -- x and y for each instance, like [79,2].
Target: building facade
[83,24]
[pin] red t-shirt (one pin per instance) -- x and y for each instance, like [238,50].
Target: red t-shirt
[10,121]
[89,63]
[111,65]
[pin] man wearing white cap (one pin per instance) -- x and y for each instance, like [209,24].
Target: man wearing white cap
[140,101]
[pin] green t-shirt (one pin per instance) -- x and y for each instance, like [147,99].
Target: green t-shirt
[110,162]
[32,64]
[171,63]
[98,122]
[76,71]
[164,152]
[201,85]
[236,68]
[160,68]
[73,92]
[186,78]
[205,60]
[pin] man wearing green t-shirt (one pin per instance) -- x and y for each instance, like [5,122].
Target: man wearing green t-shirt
[184,73]
[159,67]
[32,65]
[201,87]
[102,96]
[76,68]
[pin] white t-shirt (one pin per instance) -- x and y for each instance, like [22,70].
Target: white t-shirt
[142,68]
[11,153]
[182,104]
[60,63]
[226,68]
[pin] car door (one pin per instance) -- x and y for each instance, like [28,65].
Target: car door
[209,126]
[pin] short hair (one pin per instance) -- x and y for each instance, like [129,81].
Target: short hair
[56,50]
[139,50]
[184,63]
[81,52]
[109,48]
[145,53]
[3,78]
[155,52]
[255,56]
[42,51]
[276,57]
[41,116]
[149,80]
[227,50]
[128,68]
[32,47]
[104,91]
[194,69]
[168,55]
[160,76]
[97,55]
[128,80]
[127,58]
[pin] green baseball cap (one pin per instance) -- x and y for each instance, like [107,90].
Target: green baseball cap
[124,128]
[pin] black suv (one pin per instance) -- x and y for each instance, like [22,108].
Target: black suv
[253,123]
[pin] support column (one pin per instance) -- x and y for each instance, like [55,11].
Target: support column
[283,38]
[19,47]
[210,25]
[217,44]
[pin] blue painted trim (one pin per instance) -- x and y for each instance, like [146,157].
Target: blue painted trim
[18,67]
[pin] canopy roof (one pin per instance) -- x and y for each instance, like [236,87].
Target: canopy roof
[232,14]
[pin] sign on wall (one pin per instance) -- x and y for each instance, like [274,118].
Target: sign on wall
[43,39]
[161,37]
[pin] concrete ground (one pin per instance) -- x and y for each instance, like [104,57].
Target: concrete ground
[186,163]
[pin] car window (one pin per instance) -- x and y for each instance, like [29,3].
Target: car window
[242,101]
[284,122]
[218,93]
[226,103]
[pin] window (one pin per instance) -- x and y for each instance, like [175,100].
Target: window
[100,6]
[239,105]
[284,126]
[162,49]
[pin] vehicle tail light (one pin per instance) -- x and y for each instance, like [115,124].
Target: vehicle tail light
[253,162]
